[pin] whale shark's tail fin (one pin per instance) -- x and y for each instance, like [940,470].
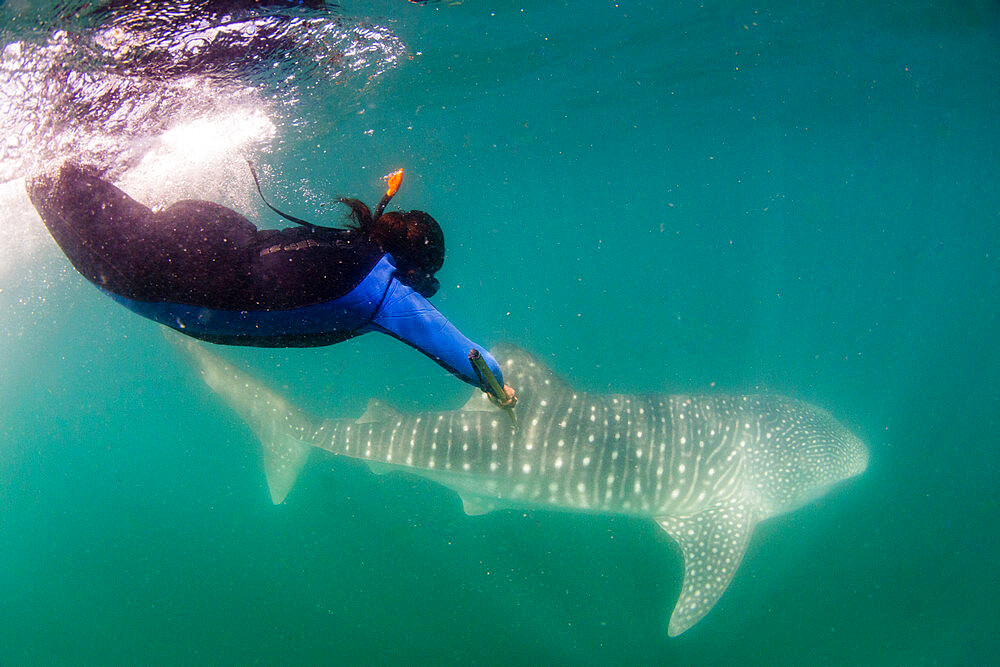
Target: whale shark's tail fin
[283,430]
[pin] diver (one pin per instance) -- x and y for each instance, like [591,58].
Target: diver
[208,272]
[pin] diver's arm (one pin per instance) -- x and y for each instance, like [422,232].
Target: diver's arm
[406,315]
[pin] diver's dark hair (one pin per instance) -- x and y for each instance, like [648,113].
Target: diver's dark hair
[413,238]
[360,214]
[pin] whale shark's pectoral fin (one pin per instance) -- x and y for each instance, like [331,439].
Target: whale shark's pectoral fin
[713,542]
[377,411]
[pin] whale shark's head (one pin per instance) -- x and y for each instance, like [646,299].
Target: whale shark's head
[802,453]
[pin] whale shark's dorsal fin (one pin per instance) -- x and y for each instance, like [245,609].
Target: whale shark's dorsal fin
[527,374]
[377,411]
[478,402]
[713,542]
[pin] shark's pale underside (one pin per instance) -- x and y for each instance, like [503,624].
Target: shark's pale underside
[706,468]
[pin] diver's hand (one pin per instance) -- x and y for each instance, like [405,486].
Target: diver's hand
[509,403]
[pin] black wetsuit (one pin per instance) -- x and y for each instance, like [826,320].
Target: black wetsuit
[208,272]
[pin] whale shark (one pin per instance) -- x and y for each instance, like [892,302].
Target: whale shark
[706,468]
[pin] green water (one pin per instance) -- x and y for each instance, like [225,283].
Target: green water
[798,198]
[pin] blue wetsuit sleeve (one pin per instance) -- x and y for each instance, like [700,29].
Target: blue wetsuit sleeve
[406,315]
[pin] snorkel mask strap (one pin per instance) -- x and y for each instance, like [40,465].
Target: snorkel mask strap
[290,218]
[394,179]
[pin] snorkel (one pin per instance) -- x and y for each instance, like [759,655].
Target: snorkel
[394,180]
[414,270]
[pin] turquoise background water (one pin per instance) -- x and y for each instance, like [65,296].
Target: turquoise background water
[798,198]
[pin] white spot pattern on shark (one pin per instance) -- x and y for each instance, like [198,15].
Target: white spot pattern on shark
[706,468]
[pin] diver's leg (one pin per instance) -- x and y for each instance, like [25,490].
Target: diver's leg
[196,253]
[93,222]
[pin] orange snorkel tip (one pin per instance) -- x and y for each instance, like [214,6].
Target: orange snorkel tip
[394,179]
